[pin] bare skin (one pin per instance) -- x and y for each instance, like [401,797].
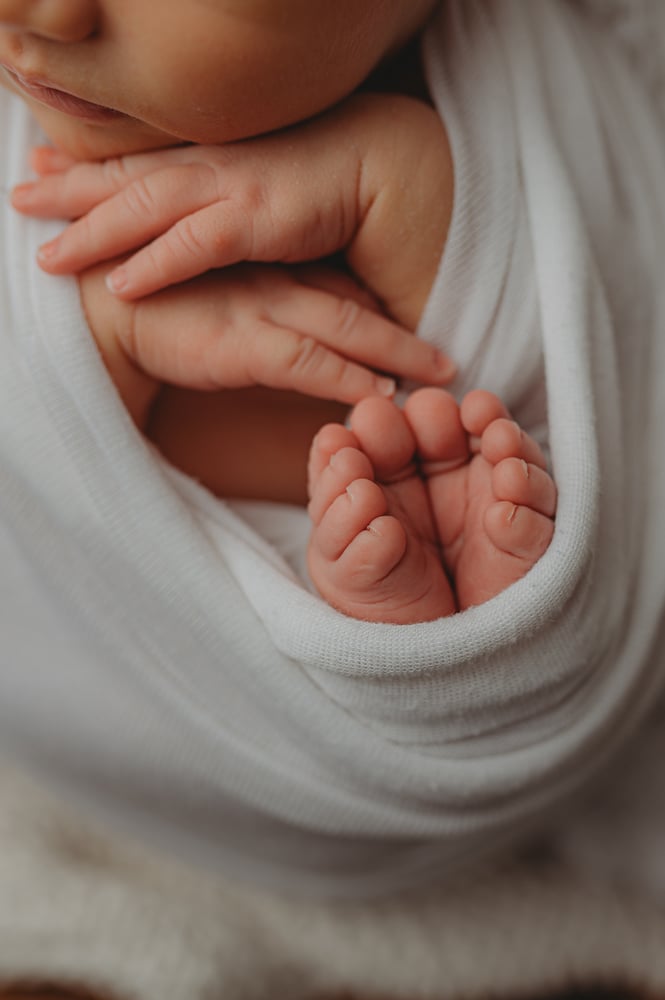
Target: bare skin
[371,175]
[302,57]
[258,330]
[129,56]
[423,512]
[441,544]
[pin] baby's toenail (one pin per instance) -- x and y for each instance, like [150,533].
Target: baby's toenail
[356,491]
[513,514]
[525,466]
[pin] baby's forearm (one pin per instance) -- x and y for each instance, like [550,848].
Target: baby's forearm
[237,331]
[250,443]
[394,220]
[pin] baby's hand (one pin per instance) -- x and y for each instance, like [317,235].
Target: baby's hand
[372,177]
[306,329]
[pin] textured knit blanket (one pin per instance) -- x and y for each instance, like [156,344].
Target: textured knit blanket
[164,663]
[162,659]
[79,909]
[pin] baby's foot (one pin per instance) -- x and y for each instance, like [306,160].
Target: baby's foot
[374,553]
[493,513]
[407,497]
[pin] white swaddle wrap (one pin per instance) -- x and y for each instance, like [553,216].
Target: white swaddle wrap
[164,661]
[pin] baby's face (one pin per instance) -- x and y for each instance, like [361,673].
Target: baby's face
[155,72]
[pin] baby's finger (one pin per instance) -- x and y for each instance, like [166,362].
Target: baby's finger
[59,195]
[215,236]
[286,359]
[47,160]
[67,189]
[143,210]
[68,193]
[361,334]
[219,353]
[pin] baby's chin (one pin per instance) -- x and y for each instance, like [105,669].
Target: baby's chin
[84,140]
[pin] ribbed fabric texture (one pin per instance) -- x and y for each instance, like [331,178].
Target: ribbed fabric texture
[164,667]
[185,684]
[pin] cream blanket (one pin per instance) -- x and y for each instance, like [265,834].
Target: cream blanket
[165,663]
[78,908]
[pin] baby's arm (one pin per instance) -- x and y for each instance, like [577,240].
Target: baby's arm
[307,329]
[373,178]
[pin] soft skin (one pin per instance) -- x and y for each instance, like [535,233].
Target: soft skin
[249,327]
[372,178]
[130,55]
[248,66]
[209,71]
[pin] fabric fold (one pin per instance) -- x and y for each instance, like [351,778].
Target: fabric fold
[184,682]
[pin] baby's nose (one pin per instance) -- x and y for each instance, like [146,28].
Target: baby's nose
[57,20]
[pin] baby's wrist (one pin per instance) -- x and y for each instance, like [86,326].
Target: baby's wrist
[406,202]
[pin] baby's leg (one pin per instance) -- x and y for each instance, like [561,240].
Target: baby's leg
[373,552]
[494,515]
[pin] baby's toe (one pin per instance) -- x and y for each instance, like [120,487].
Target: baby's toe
[385,436]
[330,439]
[348,515]
[374,552]
[342,468]
[517,530]
[504,438]
[435,421]
[525,484]
[479,409]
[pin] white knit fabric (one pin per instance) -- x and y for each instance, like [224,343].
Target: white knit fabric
[164,664]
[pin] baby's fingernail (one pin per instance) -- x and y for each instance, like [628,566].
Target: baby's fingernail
[445,366]
[48,251]
[386,386]
[22,194]
[116,281]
